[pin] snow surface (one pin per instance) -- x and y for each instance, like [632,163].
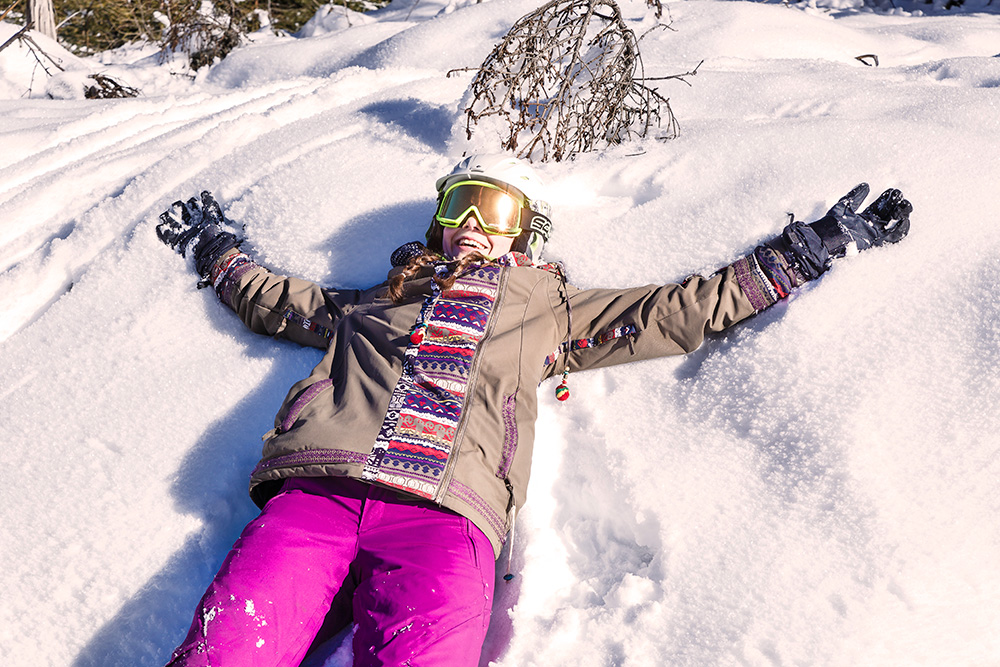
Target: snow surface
[818,486]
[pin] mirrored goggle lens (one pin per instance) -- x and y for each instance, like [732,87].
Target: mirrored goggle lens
[497,211]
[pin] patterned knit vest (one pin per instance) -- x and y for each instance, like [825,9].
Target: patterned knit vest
[418,432]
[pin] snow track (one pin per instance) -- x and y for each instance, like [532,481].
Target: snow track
[818,486]
[130,152]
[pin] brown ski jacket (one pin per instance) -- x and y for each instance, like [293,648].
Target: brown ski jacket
[435,396]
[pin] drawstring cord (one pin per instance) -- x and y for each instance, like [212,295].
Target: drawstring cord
[562,391]
[510,552]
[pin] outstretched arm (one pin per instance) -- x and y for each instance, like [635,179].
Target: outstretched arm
[618,326]
[267,303]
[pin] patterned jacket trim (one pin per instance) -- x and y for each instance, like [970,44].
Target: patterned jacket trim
[311,457]
[584,343]
[467,495]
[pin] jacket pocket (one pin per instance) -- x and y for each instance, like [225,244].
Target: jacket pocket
[300,403]
[509,414]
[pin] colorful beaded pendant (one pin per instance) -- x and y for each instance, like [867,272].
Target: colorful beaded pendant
[417,336]
[562,391]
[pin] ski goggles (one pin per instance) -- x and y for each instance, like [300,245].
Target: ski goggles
[498,211]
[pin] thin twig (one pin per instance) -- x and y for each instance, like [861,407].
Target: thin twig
[448,74]
[35,50]
[17,35]
[412,7]
[68,19]
[679,77]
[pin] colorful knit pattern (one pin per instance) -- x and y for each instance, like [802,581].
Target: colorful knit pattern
[227,273]
[584,343]
[514,258]
[754,282]
[417,434]
[307,324]
[776,269]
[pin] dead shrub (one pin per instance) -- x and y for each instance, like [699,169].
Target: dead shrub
[567,78]
[206,31]
[108,88]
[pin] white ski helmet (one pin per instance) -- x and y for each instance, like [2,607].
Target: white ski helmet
[515,173]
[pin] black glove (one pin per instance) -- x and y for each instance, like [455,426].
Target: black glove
[887,220]
[198,226]
[810,248]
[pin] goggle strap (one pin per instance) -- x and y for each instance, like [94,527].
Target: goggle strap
[533,221]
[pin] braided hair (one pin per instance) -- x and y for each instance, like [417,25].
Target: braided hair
[427,257]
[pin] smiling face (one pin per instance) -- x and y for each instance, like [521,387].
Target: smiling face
[470,237]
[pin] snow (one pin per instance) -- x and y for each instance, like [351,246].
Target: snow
[817,486]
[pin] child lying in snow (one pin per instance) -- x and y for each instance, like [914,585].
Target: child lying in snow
[394,472]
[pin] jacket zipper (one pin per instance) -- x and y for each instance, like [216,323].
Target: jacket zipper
[449,471]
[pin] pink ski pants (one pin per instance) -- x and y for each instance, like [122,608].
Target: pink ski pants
[417,579]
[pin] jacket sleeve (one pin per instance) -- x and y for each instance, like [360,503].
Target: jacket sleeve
[617,326]
[280,306]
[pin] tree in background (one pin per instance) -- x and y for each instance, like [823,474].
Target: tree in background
[203,30]
[43,16]
[206,31]
[92,26]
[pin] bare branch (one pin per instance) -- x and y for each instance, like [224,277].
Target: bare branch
[678,77]
[33,48]
[32,45]
[7,11]
[566,79]
[16,36]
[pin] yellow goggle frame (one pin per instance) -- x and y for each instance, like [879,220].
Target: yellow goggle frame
[498,211]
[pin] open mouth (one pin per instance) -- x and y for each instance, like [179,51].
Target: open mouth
[471,243]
